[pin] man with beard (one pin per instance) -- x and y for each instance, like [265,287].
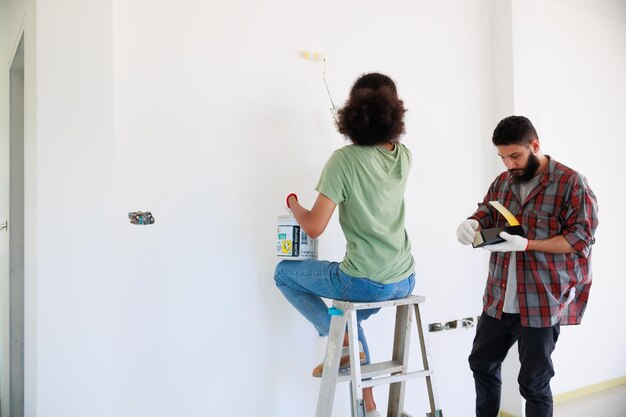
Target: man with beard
[537,282]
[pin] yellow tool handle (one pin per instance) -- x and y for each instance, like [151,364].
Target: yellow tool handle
[510,218]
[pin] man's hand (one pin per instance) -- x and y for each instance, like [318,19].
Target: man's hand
[512,243]
[466,231]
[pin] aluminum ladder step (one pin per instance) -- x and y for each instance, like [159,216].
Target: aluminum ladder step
[381,368]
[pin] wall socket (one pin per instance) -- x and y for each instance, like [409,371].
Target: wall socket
[465,323]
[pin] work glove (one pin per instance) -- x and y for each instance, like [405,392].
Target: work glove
[466,231]
[512,243]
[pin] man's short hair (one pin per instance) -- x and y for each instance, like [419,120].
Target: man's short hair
[514,130]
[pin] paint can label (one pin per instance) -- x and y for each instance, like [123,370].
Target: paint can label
[293,242]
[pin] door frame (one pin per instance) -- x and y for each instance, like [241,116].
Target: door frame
[13,327]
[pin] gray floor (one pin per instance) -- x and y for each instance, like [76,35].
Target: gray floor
[609,403]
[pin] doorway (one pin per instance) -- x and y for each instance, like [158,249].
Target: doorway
[16,234]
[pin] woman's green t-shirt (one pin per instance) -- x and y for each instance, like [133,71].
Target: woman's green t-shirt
[368,184]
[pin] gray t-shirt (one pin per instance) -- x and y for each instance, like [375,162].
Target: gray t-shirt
[511,302]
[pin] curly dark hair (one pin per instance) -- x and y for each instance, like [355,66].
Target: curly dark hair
[514,130]
[374,114]
[374,81]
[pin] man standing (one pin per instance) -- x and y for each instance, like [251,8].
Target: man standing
[537,282]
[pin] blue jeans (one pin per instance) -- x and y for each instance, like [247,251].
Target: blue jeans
[304,283]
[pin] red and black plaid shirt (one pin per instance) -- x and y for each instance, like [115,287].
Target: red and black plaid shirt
[561,204]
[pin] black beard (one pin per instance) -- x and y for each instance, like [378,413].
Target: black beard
[529,172]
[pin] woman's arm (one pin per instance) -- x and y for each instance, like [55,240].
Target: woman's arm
[313,221]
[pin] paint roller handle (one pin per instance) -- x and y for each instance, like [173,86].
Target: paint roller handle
[289,196]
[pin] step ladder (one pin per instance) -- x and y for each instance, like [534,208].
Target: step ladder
[393,372]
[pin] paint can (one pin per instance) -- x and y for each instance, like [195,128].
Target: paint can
[293,242]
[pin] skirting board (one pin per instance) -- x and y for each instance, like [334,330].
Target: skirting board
[589,389]
[581,392]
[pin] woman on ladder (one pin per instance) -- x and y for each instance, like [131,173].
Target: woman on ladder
[367,180]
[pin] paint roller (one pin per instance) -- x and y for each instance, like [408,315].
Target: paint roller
[316,56]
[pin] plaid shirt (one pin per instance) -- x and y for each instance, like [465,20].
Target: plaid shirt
[561,204]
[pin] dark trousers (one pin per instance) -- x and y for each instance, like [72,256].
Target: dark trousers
[492,342]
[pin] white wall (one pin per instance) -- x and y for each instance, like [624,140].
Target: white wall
[217,118]
[205,115]
[4,203]
[4,208]
[75,236]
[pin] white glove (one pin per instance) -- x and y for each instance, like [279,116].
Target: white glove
[466,231]
[512,243]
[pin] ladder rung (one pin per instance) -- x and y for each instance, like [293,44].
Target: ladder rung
[382,368]
[395,378]
[371,370]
